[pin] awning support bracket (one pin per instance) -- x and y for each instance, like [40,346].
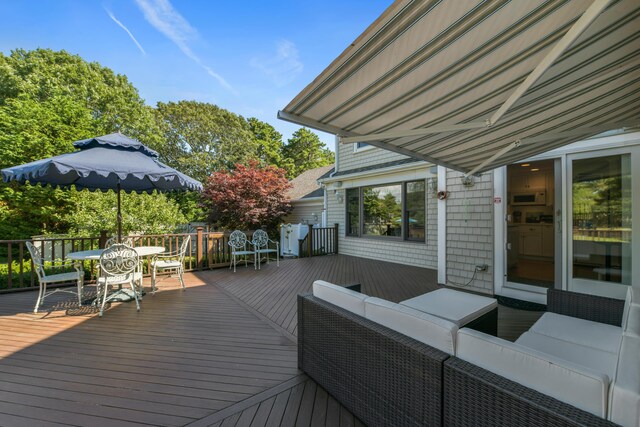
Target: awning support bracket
[500,153]
[567,40]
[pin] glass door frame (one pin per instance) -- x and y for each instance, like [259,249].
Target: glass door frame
[599,146]
[608,289]
[516,290]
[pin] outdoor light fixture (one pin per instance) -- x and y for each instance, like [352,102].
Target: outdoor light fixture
[524,165]
[535,170]
[339,196]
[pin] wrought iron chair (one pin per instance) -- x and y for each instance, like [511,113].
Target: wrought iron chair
[114,239]
[171,261]
[45,279]
[118,265]
[260,242]
[238,242]
[129,242]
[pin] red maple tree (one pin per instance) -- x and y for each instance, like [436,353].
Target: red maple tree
[248,197]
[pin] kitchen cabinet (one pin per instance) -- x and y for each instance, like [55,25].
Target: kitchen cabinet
[548,240]
[530,240]
[528,181]
[536,240]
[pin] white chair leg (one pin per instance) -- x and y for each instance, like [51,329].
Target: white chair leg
[105,286]
[38,301]
[278,257]
[135,294]
[153,280]
[180,272]
[80,287]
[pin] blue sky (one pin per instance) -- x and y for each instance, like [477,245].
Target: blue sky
[250,57]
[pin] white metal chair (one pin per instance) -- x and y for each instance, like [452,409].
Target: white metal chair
[118,265]
[171,261]
[129,242]
[114,239]
[44,279]
[238,242]
[260,242]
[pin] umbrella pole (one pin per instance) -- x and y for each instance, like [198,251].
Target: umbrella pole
[119,215]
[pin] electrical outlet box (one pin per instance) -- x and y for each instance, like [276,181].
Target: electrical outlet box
[482,267]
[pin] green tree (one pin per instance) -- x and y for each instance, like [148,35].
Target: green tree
[47,100]
[305,151]
[269,142]
[141,213]
[202,138]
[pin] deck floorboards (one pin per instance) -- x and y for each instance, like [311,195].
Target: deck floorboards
[221,353]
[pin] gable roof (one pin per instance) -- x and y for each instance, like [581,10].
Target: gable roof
[306,184]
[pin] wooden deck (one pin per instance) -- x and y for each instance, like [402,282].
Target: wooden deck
[221,353]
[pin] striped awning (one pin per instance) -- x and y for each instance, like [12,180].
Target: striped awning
[473,85]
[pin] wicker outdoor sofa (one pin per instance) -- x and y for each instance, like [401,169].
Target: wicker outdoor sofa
[387,378]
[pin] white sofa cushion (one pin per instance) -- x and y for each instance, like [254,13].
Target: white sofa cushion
[631,313]
[342,297]
[592,358]
[555,377]
[579,331]
[624,406]
[424,327]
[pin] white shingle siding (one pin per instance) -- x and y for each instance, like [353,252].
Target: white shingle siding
[364,158]
[470,231]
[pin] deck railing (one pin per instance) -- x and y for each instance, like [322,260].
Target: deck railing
[319,241]
[206,250]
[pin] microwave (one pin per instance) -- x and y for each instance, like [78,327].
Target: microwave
[529,198]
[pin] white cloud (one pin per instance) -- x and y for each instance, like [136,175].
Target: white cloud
[121,25]
[283,67]
[164,18]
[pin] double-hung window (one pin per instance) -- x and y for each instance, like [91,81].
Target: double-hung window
[395,211]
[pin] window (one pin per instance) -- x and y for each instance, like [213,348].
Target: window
[393,210]
[353,212]
[382,211]
[415,209]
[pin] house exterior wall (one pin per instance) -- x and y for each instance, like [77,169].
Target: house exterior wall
[303,211]
[385,249]
[364,157]
[469,229]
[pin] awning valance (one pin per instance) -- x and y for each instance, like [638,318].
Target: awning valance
[476,85]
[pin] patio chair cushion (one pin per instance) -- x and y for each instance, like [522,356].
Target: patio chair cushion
[579,331]
[342,297]
[624,406]
[167,264]
[576,385]
[589,357]
[72,276]
[431,330]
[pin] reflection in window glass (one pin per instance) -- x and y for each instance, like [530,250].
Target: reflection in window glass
[353,211]
[602,219]
[415,206]
[382,210]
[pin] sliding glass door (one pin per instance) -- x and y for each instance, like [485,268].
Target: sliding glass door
[599,199]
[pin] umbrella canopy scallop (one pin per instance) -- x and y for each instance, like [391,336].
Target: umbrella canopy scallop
[104,163]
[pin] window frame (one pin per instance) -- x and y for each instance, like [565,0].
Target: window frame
[404,237]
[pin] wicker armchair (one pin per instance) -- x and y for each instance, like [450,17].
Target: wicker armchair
[383,377]
[47,279]
[477,397]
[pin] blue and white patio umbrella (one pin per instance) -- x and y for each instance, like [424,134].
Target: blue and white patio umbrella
[109,162]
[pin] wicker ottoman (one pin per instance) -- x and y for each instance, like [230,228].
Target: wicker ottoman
[462,308]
